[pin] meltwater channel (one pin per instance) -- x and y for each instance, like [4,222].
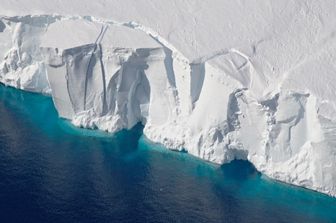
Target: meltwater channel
[51,171]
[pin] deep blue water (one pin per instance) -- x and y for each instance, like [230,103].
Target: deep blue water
[53,172]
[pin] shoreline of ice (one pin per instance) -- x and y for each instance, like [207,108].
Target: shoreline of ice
[220,107]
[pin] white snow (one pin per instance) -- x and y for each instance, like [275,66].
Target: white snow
[222,80]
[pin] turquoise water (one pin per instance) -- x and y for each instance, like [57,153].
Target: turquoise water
[51,171]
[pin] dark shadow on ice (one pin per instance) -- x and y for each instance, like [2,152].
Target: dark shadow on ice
[2,26]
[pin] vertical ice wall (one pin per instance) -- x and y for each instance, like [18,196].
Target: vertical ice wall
[219,107]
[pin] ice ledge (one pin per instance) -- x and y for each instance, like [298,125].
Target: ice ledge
[109,75]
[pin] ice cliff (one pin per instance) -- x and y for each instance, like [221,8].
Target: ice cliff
[268,98]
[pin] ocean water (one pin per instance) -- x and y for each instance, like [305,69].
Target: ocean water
[53,172]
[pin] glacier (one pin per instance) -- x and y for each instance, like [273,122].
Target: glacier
[222,81]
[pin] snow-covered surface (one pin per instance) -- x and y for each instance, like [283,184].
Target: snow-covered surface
[222,80]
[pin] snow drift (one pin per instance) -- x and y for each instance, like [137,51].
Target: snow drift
[271,102]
